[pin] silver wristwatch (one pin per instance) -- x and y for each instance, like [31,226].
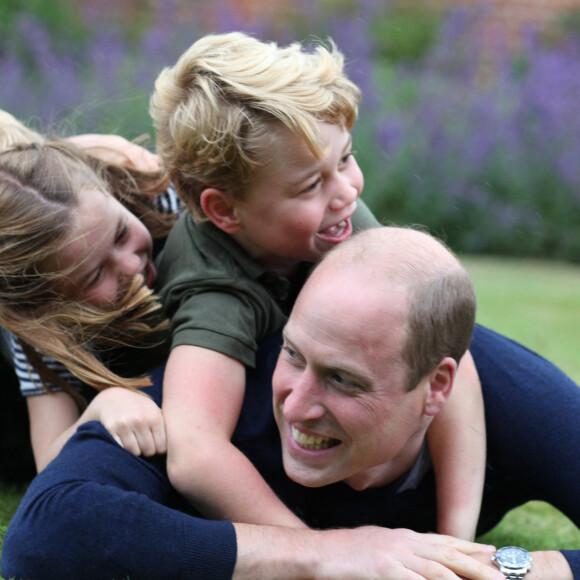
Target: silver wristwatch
[514,563]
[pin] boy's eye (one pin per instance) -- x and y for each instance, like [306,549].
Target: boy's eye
[344,160]
[312,186]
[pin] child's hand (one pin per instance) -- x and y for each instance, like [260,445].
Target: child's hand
[116,149]
[134,420]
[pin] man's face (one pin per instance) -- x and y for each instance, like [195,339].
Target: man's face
[340,397]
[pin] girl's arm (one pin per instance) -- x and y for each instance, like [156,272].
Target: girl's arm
[134,420]
[457,445]
[203,392]
[49,416]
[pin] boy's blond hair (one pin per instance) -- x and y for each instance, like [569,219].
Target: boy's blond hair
[215,110]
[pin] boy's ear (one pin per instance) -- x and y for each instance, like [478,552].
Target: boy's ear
[440,385]
[220,210]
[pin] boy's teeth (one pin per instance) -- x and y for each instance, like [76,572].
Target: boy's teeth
[335,230]
[312,442]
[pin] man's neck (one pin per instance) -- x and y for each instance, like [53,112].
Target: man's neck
[388,472]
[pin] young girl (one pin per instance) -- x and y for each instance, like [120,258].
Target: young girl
[50,195]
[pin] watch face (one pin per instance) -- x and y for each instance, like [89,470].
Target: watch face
[512,557]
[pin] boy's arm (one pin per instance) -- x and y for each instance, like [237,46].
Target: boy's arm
[203,391]
[457,445]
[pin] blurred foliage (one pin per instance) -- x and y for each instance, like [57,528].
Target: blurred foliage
[480,148]
[405,33]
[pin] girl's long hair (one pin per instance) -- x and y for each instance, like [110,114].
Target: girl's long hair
[40,185]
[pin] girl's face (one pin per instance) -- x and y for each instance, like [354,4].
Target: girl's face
[106,248]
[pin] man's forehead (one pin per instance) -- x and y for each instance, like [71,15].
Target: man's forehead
[344,326]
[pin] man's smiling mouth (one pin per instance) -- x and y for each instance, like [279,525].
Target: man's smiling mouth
[312,441]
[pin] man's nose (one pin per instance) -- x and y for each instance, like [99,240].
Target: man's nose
[304,402]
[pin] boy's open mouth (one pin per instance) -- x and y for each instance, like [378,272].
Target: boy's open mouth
[338,232]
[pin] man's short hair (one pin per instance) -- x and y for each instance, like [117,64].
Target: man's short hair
[441,302]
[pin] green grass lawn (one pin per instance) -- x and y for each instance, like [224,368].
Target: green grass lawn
[538,304]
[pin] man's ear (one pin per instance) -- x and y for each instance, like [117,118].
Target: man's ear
[440,385]
[220,210]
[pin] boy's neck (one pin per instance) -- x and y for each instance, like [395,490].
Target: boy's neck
[283,266]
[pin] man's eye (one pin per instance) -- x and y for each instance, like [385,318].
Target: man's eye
[291,354]
[289,351]
[345,385]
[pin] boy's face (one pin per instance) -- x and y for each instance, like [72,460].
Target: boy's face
[299,206]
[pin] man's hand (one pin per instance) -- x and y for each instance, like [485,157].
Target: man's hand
[359,554]
[546,565]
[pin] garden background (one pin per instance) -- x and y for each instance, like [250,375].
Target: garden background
[469,133]
[468,126]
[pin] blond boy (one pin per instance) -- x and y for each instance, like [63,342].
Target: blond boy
[256,139]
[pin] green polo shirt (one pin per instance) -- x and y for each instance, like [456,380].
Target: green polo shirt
[219,298]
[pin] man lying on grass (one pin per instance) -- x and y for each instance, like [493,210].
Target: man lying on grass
[369,356]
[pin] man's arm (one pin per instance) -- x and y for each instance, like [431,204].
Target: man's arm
[549,565]
[134,534]
[546,565]
[362,553]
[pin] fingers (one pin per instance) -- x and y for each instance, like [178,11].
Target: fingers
[466,566]
[141,433]
[466,546]
[434,557]
[143,160]
[135,421]
[458,557]
[403,555]
[144,440]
